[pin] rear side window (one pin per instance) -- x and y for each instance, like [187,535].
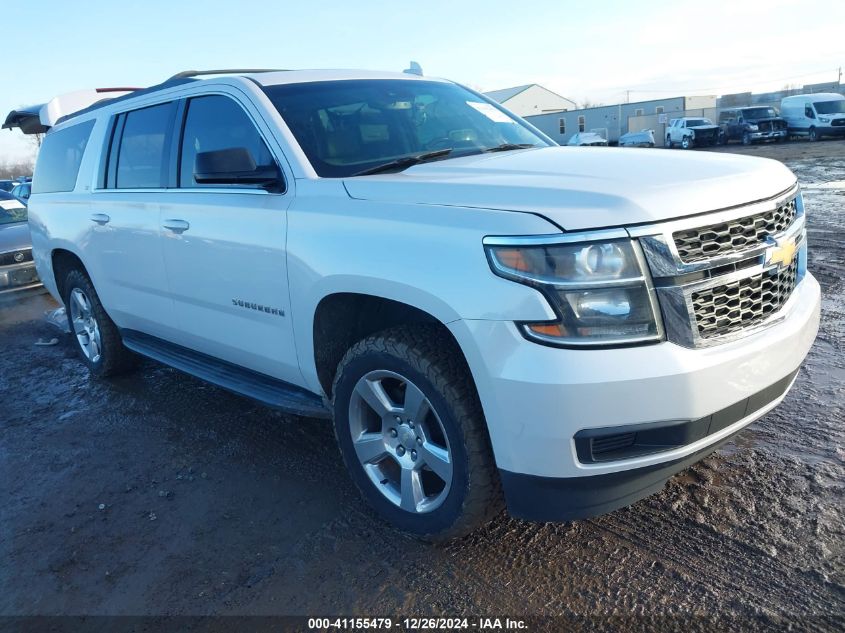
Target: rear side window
[213,123]
[60,158]
[142,153]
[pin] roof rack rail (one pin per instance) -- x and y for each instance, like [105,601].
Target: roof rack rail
[224,71]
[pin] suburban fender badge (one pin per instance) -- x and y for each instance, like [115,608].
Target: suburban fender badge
[240,303]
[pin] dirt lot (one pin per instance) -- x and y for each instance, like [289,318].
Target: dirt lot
[157,494]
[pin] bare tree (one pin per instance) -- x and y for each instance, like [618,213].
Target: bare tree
[586,103]
[13,169]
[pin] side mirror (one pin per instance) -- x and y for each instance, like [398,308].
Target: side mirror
[233,166]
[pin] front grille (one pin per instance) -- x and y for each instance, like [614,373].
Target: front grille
[838,122]
[15,257]
[705,242]
[744,303]
[768,126]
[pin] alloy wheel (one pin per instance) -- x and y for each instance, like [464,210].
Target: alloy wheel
[85,325]
[400,441]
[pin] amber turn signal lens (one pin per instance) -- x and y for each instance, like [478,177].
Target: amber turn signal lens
[548,329]
[512,258]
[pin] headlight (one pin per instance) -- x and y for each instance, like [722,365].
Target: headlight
[753,127]
[599,289]
[824,119]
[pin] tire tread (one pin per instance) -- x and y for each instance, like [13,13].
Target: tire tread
[437,357]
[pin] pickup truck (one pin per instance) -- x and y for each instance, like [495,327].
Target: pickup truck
[751,125]
[485,317]
[689,132]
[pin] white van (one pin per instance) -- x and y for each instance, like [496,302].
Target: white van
[815,115]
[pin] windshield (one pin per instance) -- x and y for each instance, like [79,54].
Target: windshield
[698,122]
[760,113]
[351,126]
[11,210]
[830,107]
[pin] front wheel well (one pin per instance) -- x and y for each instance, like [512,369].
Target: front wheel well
[343,319]
[63,262]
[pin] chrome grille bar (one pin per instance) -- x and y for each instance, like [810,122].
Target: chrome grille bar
[712,294]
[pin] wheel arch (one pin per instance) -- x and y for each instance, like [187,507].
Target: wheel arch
[341,319]
[63,261]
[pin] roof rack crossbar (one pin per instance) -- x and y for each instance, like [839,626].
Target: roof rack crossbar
[224,71]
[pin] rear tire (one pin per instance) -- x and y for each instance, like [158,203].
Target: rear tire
[669,142]
[411,386]
[95,334]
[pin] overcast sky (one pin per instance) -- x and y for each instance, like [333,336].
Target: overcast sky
[583,50]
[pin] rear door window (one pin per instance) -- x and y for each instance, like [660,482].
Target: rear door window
[142,154]
[213,123]
[60,157]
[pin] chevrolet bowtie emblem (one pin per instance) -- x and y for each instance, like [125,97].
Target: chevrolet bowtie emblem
[782,252]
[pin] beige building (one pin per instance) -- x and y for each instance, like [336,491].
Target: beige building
[531,99]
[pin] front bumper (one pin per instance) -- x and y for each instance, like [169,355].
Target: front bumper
[536,399]
[832,130]
[769,136]
[18,277]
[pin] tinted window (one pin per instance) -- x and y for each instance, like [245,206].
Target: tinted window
[141,158]
[347,127]
[759,113]
[60,157]
[214,123]
[830,107]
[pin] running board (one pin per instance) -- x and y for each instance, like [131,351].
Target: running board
[260,387]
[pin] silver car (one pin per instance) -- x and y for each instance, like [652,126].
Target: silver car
[17,271]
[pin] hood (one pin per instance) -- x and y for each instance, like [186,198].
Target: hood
[14,237]
[582,187]
[708,126]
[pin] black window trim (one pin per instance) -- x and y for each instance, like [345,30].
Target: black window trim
[107,166]
[178,140]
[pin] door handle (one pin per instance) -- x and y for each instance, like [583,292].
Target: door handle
[100,218]
[177,226]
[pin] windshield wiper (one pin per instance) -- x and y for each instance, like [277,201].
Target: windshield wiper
[507,147]
[404,162]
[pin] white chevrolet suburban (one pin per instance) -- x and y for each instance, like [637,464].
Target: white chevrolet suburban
[486,317]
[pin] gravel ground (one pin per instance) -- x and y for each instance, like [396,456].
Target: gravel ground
[156,494]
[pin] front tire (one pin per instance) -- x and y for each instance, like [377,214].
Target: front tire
[412,433]
[746,138]
[813,135]
[97,337]
[687,142]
